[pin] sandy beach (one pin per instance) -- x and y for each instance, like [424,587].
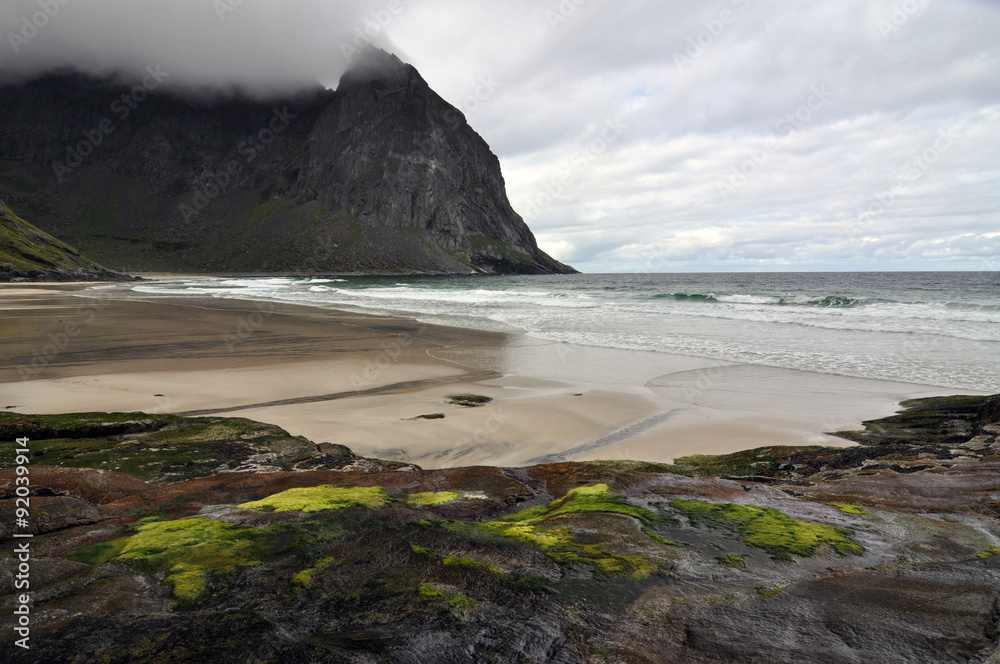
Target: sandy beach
[361,380]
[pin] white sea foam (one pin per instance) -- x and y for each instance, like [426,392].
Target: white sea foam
[943,331]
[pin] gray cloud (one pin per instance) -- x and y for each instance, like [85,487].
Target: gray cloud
[260,46]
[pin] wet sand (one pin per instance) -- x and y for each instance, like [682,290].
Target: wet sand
[360,380]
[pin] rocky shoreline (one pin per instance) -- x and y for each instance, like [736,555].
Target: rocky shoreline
[166,539]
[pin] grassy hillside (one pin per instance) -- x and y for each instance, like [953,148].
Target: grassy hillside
[27,250]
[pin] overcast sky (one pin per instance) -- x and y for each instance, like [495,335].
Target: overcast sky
[644,135]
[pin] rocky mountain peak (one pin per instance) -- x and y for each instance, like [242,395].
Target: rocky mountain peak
[382,175]
[374,65]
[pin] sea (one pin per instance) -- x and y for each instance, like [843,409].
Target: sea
[929,328]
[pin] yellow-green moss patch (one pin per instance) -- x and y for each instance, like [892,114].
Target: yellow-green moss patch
[731,560]
[99,553]
[596,498]
[656,538]
[454,600]
[992,551]
[769,529]
[469,563]
[421,551]
[536,527]
[304,578]
[848,508]
[188,551]
[319,499]
[431,498]
[767,593]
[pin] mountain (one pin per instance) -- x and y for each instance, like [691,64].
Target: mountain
[381,175]
[28,254]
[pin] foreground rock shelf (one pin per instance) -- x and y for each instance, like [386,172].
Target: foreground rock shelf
[167,539]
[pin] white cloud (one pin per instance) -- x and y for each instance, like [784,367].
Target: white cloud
[652,200]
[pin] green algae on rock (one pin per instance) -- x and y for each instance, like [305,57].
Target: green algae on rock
[848,508]
[422,550]
[657,538]
[768,528]
[469,400]
[533,526]
[742,463]
[567,592]
[596,498]
[189,551]
[731,560]
[454,599]
[319,499]
[304,578]
[767,593]
[469,563]
[432,498]
[155,447]
[928,421]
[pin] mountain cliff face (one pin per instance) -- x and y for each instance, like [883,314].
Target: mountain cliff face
[381,175]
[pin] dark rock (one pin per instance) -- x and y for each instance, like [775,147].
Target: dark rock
[336,451]
[935,420]
[591,576]
[933,613]
[47,514]
[989,412]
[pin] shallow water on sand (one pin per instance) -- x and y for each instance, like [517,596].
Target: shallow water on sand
[938,329]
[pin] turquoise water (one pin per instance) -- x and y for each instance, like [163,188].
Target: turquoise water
[930,328]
